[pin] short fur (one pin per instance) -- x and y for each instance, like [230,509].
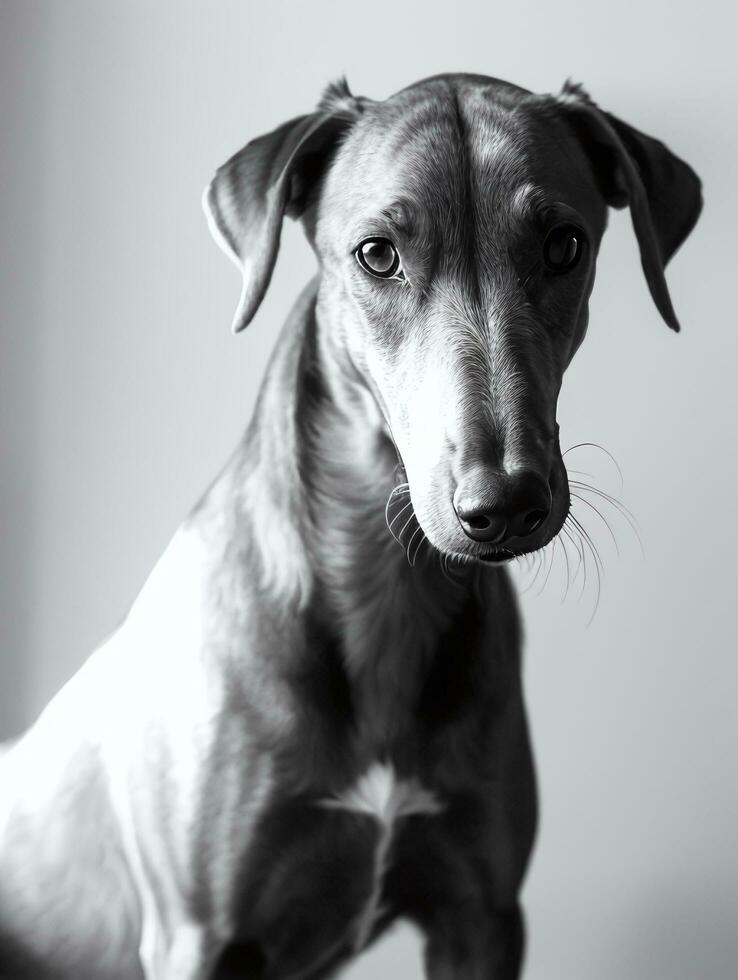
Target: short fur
[304,731]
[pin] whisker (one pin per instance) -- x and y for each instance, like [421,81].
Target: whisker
[410,542]
[404,527]
[596,445]
[401,487]
[529,571]
[551,564]
[397,537]
[566,560]
[575,538]
[588,538]
[624,511]
[402,510]
[446,567]
[527,561]
[566,530]
[599,568]
[541,570]
[419,545]
[537,561]
[593,508]
[454,579]
[398,491]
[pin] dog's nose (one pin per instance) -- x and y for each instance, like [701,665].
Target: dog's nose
[482,524]
[509,506]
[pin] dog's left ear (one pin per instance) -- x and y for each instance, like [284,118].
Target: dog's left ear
[274,175]
[663,192]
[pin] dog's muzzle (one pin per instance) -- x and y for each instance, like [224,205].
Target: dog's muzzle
[504,509]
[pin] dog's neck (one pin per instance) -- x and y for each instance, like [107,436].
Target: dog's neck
[313,479]
[349,469]
[390,601]
[299,539]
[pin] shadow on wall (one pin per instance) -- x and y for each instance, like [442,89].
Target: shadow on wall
[667,929]
[665,935]
[680,935]
[22,163]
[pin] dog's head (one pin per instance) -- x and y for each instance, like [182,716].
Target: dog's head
[457,226]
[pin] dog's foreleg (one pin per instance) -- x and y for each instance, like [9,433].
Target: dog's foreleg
[476,946]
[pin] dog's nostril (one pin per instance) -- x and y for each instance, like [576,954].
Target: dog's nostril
[479,523]
[533,520]
[483,525]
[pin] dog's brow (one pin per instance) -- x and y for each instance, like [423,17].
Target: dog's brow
[399,214]
[528,199]
[424,120]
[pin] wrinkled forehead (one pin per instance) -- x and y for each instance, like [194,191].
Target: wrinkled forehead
[430,157]
[433,152]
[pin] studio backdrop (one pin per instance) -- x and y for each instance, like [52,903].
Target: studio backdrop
[123,392]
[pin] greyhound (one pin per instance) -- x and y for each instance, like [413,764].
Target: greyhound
[302,731]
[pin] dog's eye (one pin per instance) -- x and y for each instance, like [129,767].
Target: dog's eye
[380,258]
[562,248]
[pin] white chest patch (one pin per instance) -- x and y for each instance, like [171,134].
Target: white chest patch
[380,794]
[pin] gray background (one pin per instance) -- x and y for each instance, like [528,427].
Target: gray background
[123,391]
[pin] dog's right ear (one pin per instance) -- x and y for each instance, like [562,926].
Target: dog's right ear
[663,192]
[271,176]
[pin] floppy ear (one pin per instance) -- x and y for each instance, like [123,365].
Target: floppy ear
[271,176]
[663,192]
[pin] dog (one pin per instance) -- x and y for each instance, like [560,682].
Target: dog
[304,731]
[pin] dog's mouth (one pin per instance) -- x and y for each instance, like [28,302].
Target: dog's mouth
[405,526]
[500,556]
[494,556]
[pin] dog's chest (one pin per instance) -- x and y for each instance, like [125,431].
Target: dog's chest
[314,887]
[381,681]
[360,777]
[381,794]
[365,789]
[387,801]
